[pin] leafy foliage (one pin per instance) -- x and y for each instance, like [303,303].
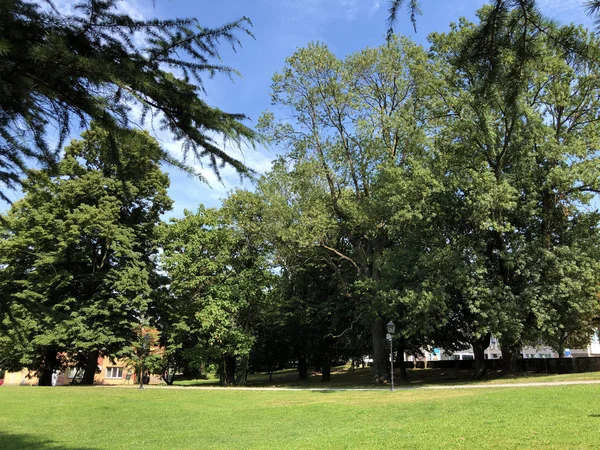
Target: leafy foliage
[78,251]
[352,120]
[451,191]
[218,281]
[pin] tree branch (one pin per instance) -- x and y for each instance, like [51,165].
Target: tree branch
[341,255]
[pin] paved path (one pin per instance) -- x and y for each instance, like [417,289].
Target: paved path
[399,388]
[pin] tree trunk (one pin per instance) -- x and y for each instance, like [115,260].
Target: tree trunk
[91,365]
[380,353]
[230,365]
[241,370]
[403,373]
[561,350]
[479,346]
[50,364]
[326,371]
[302,365]
[166,375]
[510,353]
[168,380]
[326,347]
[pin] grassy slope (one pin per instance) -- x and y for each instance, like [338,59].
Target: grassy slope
[343,377]
[93,418]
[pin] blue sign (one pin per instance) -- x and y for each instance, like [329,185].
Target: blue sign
[436,351]
[567,352]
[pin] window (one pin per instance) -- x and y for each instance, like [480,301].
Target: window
[114,372]
[74,372]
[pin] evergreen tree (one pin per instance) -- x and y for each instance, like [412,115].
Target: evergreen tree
[60,69]
[77,254]
[500,9]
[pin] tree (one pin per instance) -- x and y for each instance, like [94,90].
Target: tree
[274,344]
[218,279]
[517,154]
[98,63]
[571,307]
[78,253]
[314,290]
[351,119]
[143,355]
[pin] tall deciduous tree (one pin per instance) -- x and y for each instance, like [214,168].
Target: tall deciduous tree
[218,280]
[350,119]
[518,156]
[322,318]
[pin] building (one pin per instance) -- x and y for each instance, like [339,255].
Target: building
[494,352]
[541,351]
[108,372]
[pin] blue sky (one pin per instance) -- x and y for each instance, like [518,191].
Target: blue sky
[280,27]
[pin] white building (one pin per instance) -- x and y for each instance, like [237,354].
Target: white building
[541,351]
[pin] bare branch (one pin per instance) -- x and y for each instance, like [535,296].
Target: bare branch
[341,255]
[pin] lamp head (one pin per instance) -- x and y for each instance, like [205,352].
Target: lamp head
[391,327]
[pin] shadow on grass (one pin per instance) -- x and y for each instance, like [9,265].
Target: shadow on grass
[594,415]
[28,441]
[344,377]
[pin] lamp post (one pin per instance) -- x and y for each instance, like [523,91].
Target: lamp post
[145,343]
[390,332]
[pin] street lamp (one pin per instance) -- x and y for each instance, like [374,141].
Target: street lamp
[145,343]
[390,331]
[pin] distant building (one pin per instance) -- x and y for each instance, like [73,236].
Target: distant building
[494,352]
[541,351]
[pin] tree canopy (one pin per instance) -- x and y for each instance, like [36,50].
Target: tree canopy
[78,254]
[453,191]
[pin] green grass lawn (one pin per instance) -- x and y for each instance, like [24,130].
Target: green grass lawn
[557,417]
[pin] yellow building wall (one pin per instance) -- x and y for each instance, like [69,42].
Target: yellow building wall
[26,378]
[21,378]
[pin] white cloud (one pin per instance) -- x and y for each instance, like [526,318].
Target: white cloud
[307,20]
[566,11]
[322,11]
[189,192]
[350,8]
[136,9]
[374,7]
